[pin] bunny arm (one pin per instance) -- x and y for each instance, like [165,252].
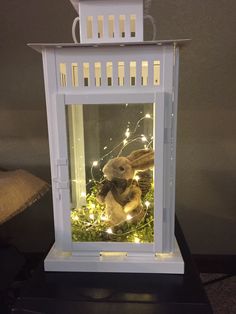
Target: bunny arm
[134,200]
[100,199]
[114,210]
[103,190]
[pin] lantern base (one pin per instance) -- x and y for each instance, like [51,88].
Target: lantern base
[171,263]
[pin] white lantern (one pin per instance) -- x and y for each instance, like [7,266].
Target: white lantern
[112,111]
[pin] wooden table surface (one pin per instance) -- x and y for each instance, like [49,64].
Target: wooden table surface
[69,293]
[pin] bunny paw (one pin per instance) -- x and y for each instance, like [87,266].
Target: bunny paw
[129,207]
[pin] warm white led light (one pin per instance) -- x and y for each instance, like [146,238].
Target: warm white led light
[144,139]
[75,218]
[109,230]
[136,178]
[136,240]
[125,141]
[93,206]
[128,217]
[83,194]
[104,218]
[147,204]
[91,216]
[95,163]
[127,133]
[148,115]
[105,147]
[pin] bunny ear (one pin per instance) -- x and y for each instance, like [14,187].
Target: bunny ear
[142,159]
[138,153]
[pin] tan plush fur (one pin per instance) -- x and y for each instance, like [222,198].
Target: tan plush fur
[124,168]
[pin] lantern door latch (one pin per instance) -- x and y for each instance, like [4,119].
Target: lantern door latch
[61,171]
[167,135]
[166,213]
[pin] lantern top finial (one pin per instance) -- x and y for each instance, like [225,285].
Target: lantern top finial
[103,21]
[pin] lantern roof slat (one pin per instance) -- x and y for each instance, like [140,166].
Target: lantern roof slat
[40,46]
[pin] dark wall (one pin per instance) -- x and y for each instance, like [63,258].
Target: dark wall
[206,153]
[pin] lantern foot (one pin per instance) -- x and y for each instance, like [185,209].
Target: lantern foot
[171,263]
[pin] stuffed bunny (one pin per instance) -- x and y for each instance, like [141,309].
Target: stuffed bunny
[119,191]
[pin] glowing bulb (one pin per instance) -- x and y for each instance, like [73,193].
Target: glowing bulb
[109,231]
[136,178]
[148,115]
[147,204]
[127,133]
[105,147]
[104,218]
[125,141]
[128,217]
[136,240]
[95,163]
[93,206]
[75,218]
[144,139]
[83,194]
[91,216]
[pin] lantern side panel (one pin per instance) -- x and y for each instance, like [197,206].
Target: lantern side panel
[111,162]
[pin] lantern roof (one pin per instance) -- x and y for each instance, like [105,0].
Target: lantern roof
[75,3]
[40,46]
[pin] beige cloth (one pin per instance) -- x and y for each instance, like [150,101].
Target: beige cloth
[18,190]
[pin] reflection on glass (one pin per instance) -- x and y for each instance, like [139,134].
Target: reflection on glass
[111,172]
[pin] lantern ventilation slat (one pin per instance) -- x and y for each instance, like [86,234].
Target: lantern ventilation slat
[110,74]
[75,78]
[118,28]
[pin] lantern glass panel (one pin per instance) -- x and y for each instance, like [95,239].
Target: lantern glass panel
[112,196]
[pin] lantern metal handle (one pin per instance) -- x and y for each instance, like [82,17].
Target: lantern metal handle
[76,20]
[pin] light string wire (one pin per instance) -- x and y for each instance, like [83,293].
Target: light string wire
[128,135]
[144,216]
[131,231]
[125,144]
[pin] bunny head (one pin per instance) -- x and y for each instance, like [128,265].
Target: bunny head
[119,167]
[125,167]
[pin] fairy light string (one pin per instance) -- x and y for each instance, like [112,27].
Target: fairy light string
[125,142]
[95,227]
[90,222]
